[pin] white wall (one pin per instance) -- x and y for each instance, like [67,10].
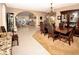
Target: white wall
[3,15]
[0,14]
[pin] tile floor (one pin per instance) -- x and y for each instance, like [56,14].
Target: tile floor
[27,44]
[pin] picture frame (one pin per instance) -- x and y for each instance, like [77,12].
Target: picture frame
[40,17]
[34,17]
[59,17]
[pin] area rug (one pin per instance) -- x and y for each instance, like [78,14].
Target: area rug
[57,47]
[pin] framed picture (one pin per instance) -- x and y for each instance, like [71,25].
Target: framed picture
[59,17]
[41,18]
[35,17]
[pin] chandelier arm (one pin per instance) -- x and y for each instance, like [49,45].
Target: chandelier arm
[52,13]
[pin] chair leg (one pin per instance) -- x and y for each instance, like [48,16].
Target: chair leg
[17,42]
[11,51]
[53,39]
[44,34]
[69,42]
[48,35]
[72,40]
[59,38]
[12,43]
[41,32]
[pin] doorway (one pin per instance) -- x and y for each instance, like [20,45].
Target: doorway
[25,19]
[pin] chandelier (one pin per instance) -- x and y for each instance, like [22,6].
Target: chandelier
[52,12]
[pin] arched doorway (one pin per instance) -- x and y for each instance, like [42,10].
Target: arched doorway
[25,19]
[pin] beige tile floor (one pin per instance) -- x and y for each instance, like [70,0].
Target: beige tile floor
[27,44]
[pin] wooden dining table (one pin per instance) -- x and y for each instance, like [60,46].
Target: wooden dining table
[64,30]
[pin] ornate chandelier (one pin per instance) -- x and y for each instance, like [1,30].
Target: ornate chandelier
[52,12]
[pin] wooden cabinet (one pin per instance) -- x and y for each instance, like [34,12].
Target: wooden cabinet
[78,23]
[71,18]
[10,21]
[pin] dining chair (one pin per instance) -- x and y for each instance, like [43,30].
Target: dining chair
[61,25]
[3,29]
[68,36]
[51,32]
[15,38]
[42,28]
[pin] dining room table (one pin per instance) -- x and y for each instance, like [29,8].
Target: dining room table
[63,30]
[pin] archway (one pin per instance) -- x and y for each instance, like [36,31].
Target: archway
[25,18]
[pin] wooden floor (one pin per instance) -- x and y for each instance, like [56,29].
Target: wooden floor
[57,47]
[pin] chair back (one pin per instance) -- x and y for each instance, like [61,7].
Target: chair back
[41,26]
[61,25]
[3,29]
[50,29]
[54,25]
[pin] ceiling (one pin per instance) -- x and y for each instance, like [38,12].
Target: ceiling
[38,5]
